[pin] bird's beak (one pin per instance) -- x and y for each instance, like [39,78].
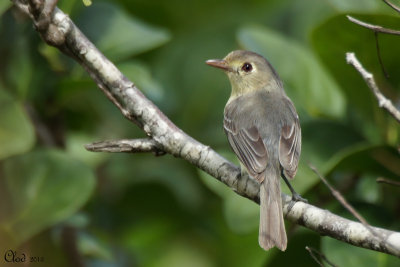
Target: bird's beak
[219,63]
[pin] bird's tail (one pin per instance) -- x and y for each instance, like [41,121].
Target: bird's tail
[272,227]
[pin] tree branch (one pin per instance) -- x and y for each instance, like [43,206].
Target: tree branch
[126,145]
[369,79]
[327,223]
[170,139]
[387,181]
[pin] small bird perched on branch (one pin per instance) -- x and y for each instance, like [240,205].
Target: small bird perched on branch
[263,129]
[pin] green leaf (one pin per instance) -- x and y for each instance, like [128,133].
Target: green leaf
[241,214]
[141,75]
[19,71]
[183,252]
[75,146]
[304,180]
[367,189]
[354,6]
[298,239]
[87,2]
[44,188]
[343,254]
[92,247]
[16,132]
[306,80]
[149,238]
[121,35]
[4,5]
[53,57]
[380,160]
[78,220]
[128,170]
[322,139]
[213,184]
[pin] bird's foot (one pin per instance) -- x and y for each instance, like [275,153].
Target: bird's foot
[296,197]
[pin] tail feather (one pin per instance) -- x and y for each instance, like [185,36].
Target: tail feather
[272,227]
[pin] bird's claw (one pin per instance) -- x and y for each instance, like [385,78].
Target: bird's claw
[296,197]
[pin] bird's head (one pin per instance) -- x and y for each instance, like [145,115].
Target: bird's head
[247,72]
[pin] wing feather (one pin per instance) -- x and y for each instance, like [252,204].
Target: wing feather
[290,144]
[248,146]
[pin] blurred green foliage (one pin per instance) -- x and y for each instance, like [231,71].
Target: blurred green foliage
[139,210]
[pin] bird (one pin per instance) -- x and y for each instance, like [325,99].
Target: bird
[263,129]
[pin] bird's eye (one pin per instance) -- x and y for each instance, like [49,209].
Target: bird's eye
[247,67]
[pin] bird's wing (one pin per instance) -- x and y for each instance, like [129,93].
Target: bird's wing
[248,146]
[290,143]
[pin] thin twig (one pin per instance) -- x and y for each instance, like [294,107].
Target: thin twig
[312,250]
[378,50]
[392,5]
[369,79]
[387,181]
[375,28]
[339,197]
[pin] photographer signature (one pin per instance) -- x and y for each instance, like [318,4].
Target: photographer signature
[13,256]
